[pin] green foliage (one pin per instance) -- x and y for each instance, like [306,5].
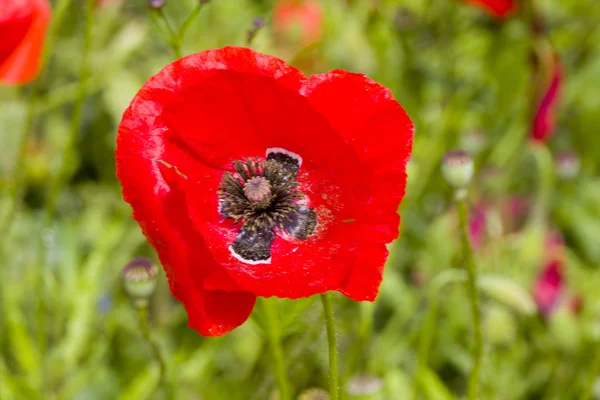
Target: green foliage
[68,330]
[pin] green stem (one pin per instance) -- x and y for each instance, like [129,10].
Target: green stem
[188,21]
[334,387]
[545,167]
[172,36]
[142,312]
[477,348]
[274,337]
[594,374]
[16,188]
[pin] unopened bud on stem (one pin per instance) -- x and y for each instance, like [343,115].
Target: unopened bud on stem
[457,168]
[139,277]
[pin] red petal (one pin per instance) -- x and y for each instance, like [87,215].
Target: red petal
[22,29]
[366,274]
[368,117]
[549,287]
[498,8]
[544,121]
[154,193]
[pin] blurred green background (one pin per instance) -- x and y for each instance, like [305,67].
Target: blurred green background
[69,331]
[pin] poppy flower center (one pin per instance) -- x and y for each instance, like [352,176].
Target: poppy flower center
[263,194]
[257,189]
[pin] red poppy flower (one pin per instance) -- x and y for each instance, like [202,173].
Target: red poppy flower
[23,26]
[251,179]
[478,225]
[544,120]
[301,19]
[549,287]
[498,8]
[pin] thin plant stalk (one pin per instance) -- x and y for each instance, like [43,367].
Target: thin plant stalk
[545,164]
[142,312]
[172,37]
[438,283]
[477,347]
[189,20]
[273,332]
[334,386]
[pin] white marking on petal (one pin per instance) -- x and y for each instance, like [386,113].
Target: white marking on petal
[286,152]
[251,262]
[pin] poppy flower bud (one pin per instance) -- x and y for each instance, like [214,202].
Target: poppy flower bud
[257,23]
[139,277]
[567,165]
[314,394]
[156,4]
[363,386]
[457,168]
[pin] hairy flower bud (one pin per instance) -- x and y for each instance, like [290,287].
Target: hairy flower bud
[139,277]
[457,168]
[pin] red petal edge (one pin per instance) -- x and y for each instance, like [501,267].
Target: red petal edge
[368,117]
[498,8]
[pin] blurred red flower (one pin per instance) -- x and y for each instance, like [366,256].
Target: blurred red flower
[549,287]
[298,19]
[498,8]
[544,120]
[478,225]
[251,179]
[23,26]
[550,291]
